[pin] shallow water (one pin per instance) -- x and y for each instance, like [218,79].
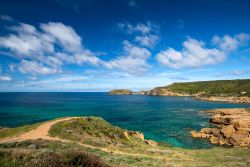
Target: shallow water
[164,119]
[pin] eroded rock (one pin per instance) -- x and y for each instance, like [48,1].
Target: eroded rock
[233,127]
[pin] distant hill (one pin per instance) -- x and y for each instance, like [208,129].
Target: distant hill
[121,92]
[213,88]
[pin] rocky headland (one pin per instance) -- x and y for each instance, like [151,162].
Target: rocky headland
[121,92]
[232,127]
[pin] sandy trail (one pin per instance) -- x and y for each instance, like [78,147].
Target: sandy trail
[42,132]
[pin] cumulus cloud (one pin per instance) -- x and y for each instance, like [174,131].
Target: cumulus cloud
[196,54]
[145,34]
[193,54]
[5,78]
[134,59]
[34,68]
[141,28]
[148,40]
[38,46]
[231,43]
[65,35]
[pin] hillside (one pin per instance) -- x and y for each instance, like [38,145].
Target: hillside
[121,92]
[91,141]
[210,88]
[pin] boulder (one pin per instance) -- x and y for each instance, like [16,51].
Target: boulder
[233,127]
[214,140]
[227,131]
[151,143]
[138,135]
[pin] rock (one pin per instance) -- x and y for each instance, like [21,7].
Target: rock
[238,140]
[151,143]
[214,140]
[215,132]
[138,135]
[227,131]
[125,134]
[233,127]
[32,146]
[222,141]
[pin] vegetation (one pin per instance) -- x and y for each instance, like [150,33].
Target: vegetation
[120,152]
[9,132]
[96,131]
[121,92]
[220,87]
[33,154]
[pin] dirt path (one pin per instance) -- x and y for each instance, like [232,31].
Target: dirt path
[42,132]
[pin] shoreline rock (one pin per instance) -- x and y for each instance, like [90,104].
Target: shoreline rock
[233,127]
[228,99]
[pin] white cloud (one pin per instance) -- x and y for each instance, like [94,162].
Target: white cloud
[65,35]
[231,43]
[133,61]
[145,34]
[38,46]
[5,78]
[147,40]
[34,68]
[6,18]
[147,28]
[193,54]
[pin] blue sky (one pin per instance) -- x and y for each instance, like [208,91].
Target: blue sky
[96,45]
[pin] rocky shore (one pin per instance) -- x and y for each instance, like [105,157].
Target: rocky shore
[233,127]
[228,99]
[164,92]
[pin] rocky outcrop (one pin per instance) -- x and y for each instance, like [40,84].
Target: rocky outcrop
[121,92]
[164,92]
[151,143]
[233,127]
[140,136]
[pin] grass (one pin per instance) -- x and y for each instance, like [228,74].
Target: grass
[94,131]
[10,132]
[219,87]
[56,153]
[121,91]
[32,151]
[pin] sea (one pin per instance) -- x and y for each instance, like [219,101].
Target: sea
[167,120]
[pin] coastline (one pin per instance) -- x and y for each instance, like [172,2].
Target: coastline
[229,99]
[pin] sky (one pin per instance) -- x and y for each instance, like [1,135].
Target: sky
[97,45]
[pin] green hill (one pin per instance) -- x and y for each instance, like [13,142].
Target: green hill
[219,87]
[121,92]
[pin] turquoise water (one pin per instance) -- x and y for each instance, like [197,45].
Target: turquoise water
[164,119]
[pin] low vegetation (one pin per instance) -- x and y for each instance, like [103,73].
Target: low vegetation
[213,88]
[10,132]
[121,92]
[120,152]
[96,131]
